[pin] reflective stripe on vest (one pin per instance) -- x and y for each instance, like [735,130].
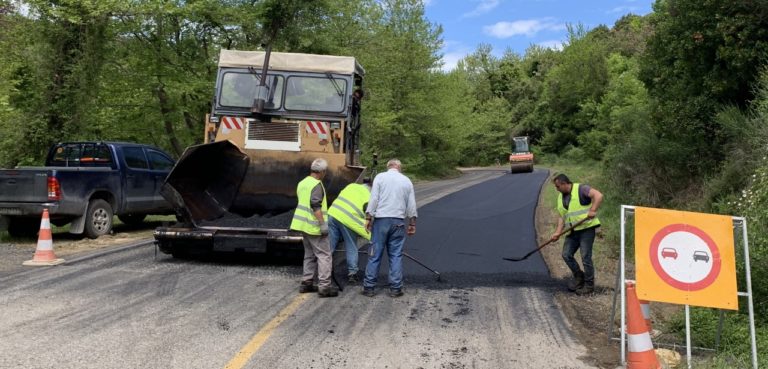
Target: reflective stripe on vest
[575,211]
[304,219]
[348,208]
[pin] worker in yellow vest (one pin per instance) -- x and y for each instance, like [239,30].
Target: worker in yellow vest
[311,218]
[346,222]
[577,202]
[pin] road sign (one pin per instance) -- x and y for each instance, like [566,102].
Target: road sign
[685,258]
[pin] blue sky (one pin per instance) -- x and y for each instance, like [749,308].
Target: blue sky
[516,24]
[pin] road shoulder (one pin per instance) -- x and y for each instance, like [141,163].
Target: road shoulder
[587,315]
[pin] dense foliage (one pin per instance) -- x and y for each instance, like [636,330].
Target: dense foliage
[671,105]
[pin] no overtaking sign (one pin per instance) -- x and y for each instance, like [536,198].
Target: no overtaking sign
[685,258]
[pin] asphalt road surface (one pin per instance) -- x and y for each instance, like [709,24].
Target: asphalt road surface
[129,309]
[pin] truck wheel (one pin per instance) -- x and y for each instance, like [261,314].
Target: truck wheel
[23,227]
[132,219]
[98,218]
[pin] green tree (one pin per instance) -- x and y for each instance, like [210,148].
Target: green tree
[579,78]
[702,55]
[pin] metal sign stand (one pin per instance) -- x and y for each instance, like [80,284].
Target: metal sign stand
[621,280]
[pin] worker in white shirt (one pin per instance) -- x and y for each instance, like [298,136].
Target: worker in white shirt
[390,216]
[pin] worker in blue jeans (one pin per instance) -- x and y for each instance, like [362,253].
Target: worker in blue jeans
[346,222]
[391,215]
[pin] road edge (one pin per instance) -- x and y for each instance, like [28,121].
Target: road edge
[591,334]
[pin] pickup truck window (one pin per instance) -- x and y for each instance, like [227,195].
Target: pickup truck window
[159,161]
[134,158]
[81,154]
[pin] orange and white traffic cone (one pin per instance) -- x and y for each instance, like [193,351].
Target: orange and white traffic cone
[44,255]
[646,308]
[640,354]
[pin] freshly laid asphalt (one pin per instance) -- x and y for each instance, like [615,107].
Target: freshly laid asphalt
[465,234]
[471,230]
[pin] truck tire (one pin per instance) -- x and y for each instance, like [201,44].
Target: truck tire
[132,219]
[23,227]
[98,218]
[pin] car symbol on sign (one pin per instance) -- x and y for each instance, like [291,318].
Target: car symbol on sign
[669,252]
[701,255]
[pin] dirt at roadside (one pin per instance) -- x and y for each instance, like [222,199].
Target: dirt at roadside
[589,316]
[15,251]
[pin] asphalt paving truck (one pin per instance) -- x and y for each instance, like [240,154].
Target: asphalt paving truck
[272,114]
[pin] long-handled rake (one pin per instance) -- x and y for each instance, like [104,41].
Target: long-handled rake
[414,260]
[422,264]
[569,229]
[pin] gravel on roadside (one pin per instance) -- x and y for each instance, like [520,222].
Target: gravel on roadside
[15,251]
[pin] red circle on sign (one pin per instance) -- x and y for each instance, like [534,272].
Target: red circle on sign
[685,286]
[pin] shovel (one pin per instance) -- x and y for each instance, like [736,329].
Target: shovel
[547,243]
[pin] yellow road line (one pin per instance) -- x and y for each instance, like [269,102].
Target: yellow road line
[250,348]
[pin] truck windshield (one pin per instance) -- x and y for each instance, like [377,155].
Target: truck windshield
[315,93]
[238,89]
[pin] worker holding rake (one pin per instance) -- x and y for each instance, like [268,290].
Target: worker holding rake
[578,205]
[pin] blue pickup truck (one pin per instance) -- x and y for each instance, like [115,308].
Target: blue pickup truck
[85,184]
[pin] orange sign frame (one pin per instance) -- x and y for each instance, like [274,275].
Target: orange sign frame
[717,289]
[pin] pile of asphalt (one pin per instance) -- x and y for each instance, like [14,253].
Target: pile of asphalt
[276,221]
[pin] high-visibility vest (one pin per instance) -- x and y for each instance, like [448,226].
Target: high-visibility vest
[304,219]
[348,208]
[575,211]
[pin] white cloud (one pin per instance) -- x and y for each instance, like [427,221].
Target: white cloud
[484,7]
[623,9]
[527,27]
[453,51]
[427,2]
[552,44]
[451,59]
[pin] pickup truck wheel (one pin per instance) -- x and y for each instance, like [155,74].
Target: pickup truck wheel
[132,219]
[98,218]
[22,227]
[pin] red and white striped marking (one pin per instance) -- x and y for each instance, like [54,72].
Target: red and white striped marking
[318,128]
[233,122]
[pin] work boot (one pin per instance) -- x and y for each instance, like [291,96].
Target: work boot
[328,292]
[368,292]
[577,282]
[307,287]
[587,289]
[395,293]
[352,278]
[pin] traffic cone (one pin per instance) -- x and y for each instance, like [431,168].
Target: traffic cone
[640,354]
[44,255]
[646,308]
